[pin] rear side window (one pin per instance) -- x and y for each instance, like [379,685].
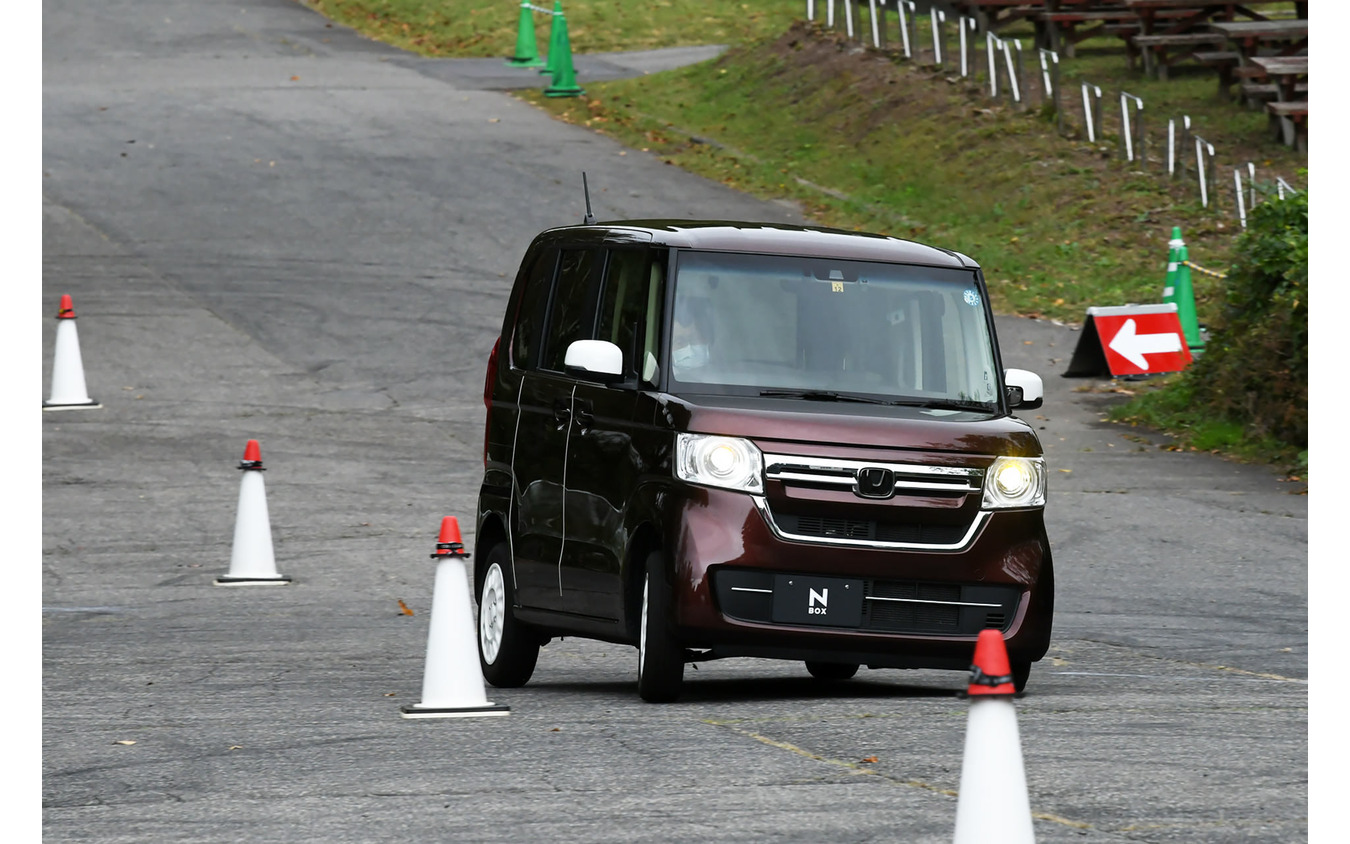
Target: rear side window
[626,303]
[571,314]
[532,307]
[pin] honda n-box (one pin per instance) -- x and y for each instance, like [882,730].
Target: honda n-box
[718,439]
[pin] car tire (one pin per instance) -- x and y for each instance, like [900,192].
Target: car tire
[1021,672]
[660,657]
[507,648]
[831,671]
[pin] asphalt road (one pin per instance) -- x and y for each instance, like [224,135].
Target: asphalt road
[275,230]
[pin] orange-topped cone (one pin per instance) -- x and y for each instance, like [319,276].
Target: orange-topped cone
[452,685]
[991,674]
[251,559]
[992,804]
[449,544]
[68,388]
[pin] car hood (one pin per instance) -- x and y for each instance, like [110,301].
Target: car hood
[783,422]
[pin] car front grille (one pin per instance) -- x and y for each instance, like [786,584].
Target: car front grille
[889,606]
[919,507]
[916,533]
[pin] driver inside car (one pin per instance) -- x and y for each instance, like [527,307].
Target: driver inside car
[690,334]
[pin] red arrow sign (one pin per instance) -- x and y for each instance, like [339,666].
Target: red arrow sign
[1141,339]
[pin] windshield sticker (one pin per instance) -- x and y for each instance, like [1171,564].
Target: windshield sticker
[972,298]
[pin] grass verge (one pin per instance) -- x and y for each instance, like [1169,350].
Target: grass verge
[864,139]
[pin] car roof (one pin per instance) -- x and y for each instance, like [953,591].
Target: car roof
[767,238]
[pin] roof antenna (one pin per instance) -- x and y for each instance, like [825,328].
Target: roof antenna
[590,218]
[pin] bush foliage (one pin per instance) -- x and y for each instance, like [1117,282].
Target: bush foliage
[1254,371]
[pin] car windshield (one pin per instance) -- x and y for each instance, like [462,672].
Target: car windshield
[830,330]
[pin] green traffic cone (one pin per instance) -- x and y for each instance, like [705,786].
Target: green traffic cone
[1185,300]
[553,32]
[564,76]
[1169,295]
[527,52]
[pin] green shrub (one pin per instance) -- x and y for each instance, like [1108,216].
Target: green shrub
[1254,370]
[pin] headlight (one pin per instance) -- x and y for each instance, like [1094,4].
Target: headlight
[1015,482]
[726,462]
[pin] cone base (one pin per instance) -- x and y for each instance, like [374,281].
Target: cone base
[226,580]
[520,62]
[563,92]
[84,405]
[417,710]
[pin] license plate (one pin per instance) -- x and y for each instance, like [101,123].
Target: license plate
[826,601]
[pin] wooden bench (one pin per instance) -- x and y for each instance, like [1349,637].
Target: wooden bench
[1155,48]
[1224,63]
[1062,28]
[1291,122]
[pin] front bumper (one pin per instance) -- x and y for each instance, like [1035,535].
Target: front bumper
[742,588]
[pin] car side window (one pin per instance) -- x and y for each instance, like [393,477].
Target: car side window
[651,338]
[532,307]
[624,304]
[572,310]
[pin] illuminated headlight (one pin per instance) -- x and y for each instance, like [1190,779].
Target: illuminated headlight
[1015,482]
[727,462]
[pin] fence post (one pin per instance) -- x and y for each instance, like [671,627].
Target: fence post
[1092,104]
[963,24]
[1128,131]
[1251,183]
[874,10]
[938,18]
[1237,193]
[829,13]
[912,30]
[1050,84]
[1014,69]
[1201,147]
[992,43]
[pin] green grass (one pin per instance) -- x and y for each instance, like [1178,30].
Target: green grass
[1167,404]
[477,28]
[870,141]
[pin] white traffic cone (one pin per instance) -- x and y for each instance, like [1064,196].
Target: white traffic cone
[68,389]
[251,561]
[452,685]
[992,804]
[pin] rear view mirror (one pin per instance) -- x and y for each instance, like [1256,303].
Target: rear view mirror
[1024,389]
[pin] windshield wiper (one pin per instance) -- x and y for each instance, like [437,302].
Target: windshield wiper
[949,404]
[821,395]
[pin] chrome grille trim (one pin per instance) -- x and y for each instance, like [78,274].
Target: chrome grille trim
[922,601]
[762,504]
[829,471]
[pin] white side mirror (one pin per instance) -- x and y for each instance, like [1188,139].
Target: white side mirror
[1025,389]
[597,358]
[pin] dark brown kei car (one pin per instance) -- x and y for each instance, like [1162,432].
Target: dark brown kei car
[717,439]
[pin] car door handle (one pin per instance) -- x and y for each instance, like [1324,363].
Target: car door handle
[562,412]
[584,415]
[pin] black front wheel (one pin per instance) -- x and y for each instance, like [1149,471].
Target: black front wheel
[1021,672]
[507,648]
[660,657]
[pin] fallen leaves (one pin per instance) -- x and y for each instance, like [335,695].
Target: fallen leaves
[404,607]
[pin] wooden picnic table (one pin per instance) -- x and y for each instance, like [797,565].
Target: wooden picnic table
[993,15]
[1065,23]
[1247,39]
[1286,36]
[1171,31]
[1289,112]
